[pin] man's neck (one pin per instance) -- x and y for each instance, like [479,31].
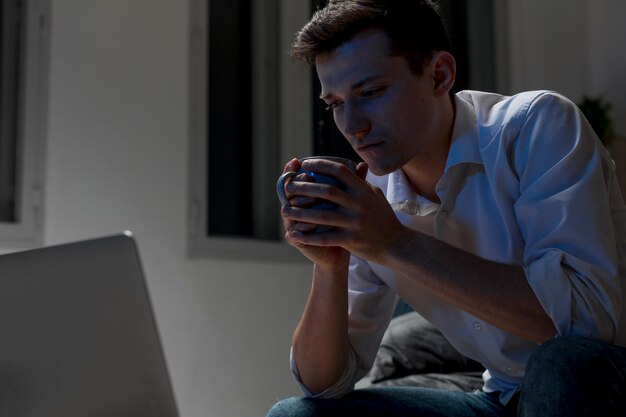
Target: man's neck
[424,180]
[426,169]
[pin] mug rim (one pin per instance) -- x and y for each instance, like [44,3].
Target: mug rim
[340,159]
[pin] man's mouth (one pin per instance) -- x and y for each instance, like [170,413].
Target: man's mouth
[368,146]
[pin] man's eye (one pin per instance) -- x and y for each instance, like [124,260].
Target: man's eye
[372,92]
[332,105]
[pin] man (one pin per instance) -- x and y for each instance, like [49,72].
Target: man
[499,219]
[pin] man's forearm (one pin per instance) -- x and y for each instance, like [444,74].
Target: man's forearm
[495,292]
[320,342]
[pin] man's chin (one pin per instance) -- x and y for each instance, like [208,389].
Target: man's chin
[380,170]
[382,165]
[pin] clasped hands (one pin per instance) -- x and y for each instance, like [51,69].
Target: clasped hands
[363,224]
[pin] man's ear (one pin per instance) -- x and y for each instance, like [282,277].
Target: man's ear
[444,72]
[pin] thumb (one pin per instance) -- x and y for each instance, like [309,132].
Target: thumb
[293,165]
[361,170]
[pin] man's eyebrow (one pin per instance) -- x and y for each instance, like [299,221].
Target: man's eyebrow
[364,81]
[355,86]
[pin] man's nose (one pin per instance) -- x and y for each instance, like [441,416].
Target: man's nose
[356,123]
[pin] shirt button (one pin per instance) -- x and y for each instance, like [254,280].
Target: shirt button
[477,326]
[443,214]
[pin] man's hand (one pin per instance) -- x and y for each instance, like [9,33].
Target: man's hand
[364,223]
[331,257]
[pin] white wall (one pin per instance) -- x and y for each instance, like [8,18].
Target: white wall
[607,55]
[574,47]
[117,159]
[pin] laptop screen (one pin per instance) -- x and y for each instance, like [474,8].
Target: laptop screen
[77,334]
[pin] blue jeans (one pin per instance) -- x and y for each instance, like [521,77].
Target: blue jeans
[574,376]
[567,376]
[396,402]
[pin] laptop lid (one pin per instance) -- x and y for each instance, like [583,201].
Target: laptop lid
[78,336]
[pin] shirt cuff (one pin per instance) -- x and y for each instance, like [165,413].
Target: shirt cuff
[344,385]
[576,305]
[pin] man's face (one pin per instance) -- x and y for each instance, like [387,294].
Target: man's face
[386,112]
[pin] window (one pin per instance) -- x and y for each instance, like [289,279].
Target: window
[250,111]
[23,58]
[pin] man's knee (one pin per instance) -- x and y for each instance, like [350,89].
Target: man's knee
[576,357]
[293,407]
[575,376]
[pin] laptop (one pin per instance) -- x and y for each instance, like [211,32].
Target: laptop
[78,336]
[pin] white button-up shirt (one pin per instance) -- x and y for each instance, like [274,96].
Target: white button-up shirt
[526,183]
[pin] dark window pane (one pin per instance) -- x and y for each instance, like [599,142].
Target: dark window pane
[229,119]
[11,24]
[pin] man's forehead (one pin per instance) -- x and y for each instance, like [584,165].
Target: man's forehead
[362,57]
[366,42]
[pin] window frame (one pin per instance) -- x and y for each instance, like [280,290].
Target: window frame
[27,230]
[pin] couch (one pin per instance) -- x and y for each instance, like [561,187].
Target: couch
[414,353]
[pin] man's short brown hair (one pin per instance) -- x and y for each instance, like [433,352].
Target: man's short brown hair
[414,27]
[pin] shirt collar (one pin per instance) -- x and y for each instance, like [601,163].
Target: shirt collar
[464,143]
[401,196]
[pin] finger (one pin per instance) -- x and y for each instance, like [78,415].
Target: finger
[291,196]
[289,225]
[301,201]
[329,238]
[361,170]
[290,240]
[293,165]
[333,169]
[316,191]
[303,227]
[317,217]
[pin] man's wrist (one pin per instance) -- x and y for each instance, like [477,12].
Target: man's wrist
[332,269]
[402,243]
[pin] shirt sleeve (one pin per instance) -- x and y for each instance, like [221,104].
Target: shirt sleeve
[371,305]
[567,182]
